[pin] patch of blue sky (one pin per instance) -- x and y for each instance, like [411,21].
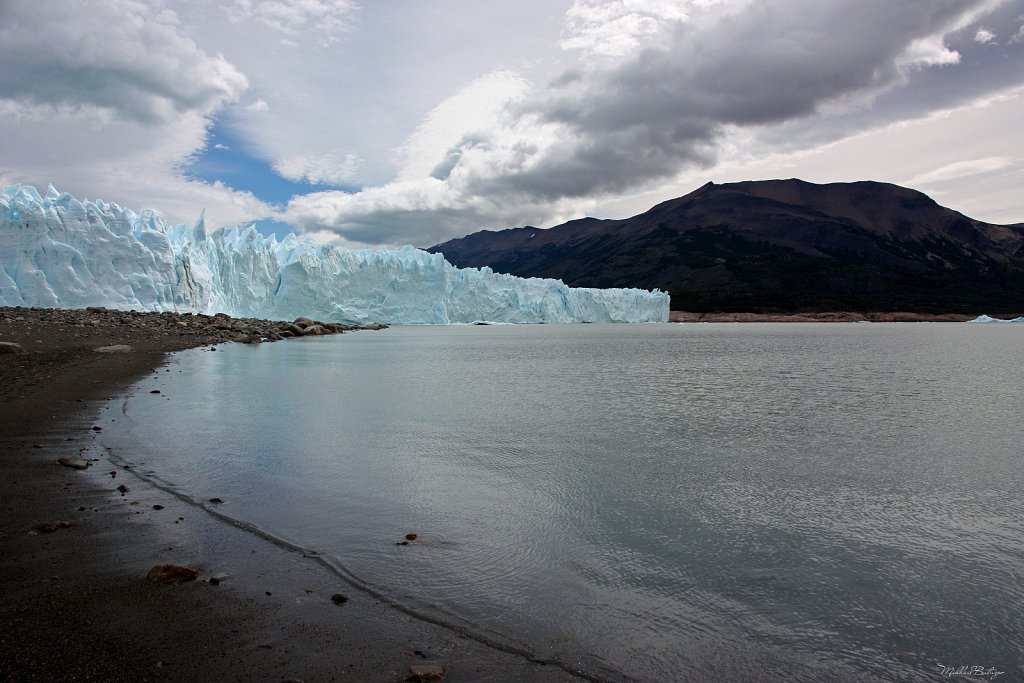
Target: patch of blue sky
[227,158]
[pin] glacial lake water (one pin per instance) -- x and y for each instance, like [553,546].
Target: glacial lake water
[652,502]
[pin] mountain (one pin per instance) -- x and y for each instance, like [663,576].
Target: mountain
[777,245]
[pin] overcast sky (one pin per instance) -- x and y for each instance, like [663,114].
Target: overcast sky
[415,121]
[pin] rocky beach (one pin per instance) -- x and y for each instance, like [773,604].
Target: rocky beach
[105,577]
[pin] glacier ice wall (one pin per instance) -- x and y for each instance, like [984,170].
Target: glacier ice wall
[58,252]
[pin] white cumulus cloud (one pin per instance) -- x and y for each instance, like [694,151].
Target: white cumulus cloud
[122,57]
[984,36]
[328,19]
[334,168]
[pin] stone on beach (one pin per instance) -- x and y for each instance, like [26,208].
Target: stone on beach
[425,672]
[73,461]
[339,598]
[10,347]
[171,573]
[113,348]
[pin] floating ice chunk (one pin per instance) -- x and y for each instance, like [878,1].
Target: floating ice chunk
[989,319]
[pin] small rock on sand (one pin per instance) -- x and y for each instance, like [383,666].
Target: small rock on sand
[216,501]
[114,348]
[73,461]
[425,672]
[122,488]
[171,573]
[10,347]
[339,599]
[49,527]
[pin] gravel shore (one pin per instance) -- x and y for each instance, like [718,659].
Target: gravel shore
[75,550]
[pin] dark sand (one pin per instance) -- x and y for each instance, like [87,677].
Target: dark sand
[74,603]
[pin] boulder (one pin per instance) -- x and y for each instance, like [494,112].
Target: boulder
[303,322]
[10,347]
[313,330]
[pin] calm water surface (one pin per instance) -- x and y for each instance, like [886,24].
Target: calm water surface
[656,502]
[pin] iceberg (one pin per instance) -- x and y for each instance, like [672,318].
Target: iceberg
[990,319]
[59,252]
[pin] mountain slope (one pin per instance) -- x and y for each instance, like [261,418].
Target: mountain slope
[777,245]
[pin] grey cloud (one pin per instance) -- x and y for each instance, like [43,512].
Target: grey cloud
[398,227]
[983,70]
[115,55]
[771,64]
[794,74]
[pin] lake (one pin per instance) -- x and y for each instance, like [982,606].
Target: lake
[651,502]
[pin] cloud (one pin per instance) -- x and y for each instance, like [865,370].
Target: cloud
[110,99]
[420,212]
[334,168]
[327,18]
[115,57]
[984,36]
[448,130]
[620,27]
[435,147]
[1018,37]
[963,169]
[128,162]
[657,94]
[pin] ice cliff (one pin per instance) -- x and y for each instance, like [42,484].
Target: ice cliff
[58,252]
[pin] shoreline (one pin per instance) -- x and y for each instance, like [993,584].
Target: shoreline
[77,605]
[824,317]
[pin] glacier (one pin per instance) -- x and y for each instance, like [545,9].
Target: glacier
[59,252]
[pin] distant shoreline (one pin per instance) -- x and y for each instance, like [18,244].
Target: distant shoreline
[826,317]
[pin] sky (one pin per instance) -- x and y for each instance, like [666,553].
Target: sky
[417,121]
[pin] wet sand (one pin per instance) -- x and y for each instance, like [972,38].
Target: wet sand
[75,603]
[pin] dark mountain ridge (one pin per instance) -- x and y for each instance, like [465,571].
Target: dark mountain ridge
[777,245]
